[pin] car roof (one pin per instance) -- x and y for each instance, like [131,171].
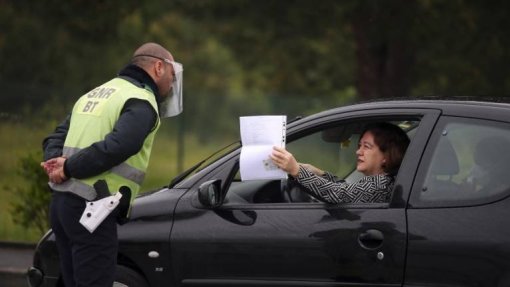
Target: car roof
[448,106]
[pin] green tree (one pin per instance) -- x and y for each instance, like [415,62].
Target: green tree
[31,204]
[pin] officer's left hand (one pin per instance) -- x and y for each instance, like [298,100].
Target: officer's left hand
[55,169]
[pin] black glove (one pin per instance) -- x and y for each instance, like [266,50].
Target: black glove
[124,205]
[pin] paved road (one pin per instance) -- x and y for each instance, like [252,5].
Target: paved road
[15,259]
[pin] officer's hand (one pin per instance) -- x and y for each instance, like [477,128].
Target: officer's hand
[51,164]
[58,176]
[47,166]
[55,169]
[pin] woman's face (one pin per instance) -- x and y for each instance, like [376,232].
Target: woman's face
[370,157]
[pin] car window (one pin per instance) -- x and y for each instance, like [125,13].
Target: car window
[331,148]
[468,164]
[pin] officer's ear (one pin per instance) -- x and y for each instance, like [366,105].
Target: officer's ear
[159,68]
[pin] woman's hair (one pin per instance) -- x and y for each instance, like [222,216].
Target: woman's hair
[392,141]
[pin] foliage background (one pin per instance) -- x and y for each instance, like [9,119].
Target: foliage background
[241,57]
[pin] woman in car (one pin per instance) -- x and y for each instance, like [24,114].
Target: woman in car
[380,151]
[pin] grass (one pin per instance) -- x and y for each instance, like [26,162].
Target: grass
[19,138]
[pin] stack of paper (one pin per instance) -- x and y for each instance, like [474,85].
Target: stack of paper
[259,134]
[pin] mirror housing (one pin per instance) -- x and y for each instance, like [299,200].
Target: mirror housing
[209,193]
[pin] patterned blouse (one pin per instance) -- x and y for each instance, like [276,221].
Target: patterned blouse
[368,189]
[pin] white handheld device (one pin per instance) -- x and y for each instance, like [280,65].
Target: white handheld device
[96,211]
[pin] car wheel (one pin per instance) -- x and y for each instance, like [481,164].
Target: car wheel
[126,277]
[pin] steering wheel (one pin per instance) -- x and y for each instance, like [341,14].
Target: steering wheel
[293,191]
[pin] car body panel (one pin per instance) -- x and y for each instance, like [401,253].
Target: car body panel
[147,233]
[468,241]
[467,246]
[277,243]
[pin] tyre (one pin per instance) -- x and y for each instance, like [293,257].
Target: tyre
[126,277]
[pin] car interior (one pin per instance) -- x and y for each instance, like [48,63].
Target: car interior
[468,163]
[335,148]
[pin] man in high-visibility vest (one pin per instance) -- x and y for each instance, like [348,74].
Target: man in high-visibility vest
[107,137]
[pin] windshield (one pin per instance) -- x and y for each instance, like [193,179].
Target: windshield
[205,162]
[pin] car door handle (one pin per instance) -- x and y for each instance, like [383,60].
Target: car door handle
[371,239]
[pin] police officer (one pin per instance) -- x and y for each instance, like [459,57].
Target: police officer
[107,136]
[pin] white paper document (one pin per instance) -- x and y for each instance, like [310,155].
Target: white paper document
[258,135]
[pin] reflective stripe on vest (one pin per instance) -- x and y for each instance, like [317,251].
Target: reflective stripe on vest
[79,188]
[123,169]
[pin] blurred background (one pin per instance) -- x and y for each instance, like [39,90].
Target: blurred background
[240,58]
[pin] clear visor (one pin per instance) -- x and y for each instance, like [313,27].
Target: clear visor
[172,105]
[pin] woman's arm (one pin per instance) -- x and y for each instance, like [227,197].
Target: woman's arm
[367,189]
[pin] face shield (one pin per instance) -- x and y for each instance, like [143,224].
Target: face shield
[172,105]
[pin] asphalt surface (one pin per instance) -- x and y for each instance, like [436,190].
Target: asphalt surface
[15,259]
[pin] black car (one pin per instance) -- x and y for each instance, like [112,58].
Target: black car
[447,223]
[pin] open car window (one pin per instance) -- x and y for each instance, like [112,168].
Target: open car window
[331,147]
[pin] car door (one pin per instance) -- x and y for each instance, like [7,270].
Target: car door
[459,210]
[264,235]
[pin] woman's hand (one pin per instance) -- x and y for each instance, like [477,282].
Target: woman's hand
[285,161]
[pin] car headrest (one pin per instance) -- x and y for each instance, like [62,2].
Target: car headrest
[492,153]
[446,161]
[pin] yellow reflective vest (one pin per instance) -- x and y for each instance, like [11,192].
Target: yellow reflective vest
[94,116]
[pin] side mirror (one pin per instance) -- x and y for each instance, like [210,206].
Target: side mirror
[209,193]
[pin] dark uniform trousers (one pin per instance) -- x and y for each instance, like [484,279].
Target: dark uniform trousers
[86,259]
